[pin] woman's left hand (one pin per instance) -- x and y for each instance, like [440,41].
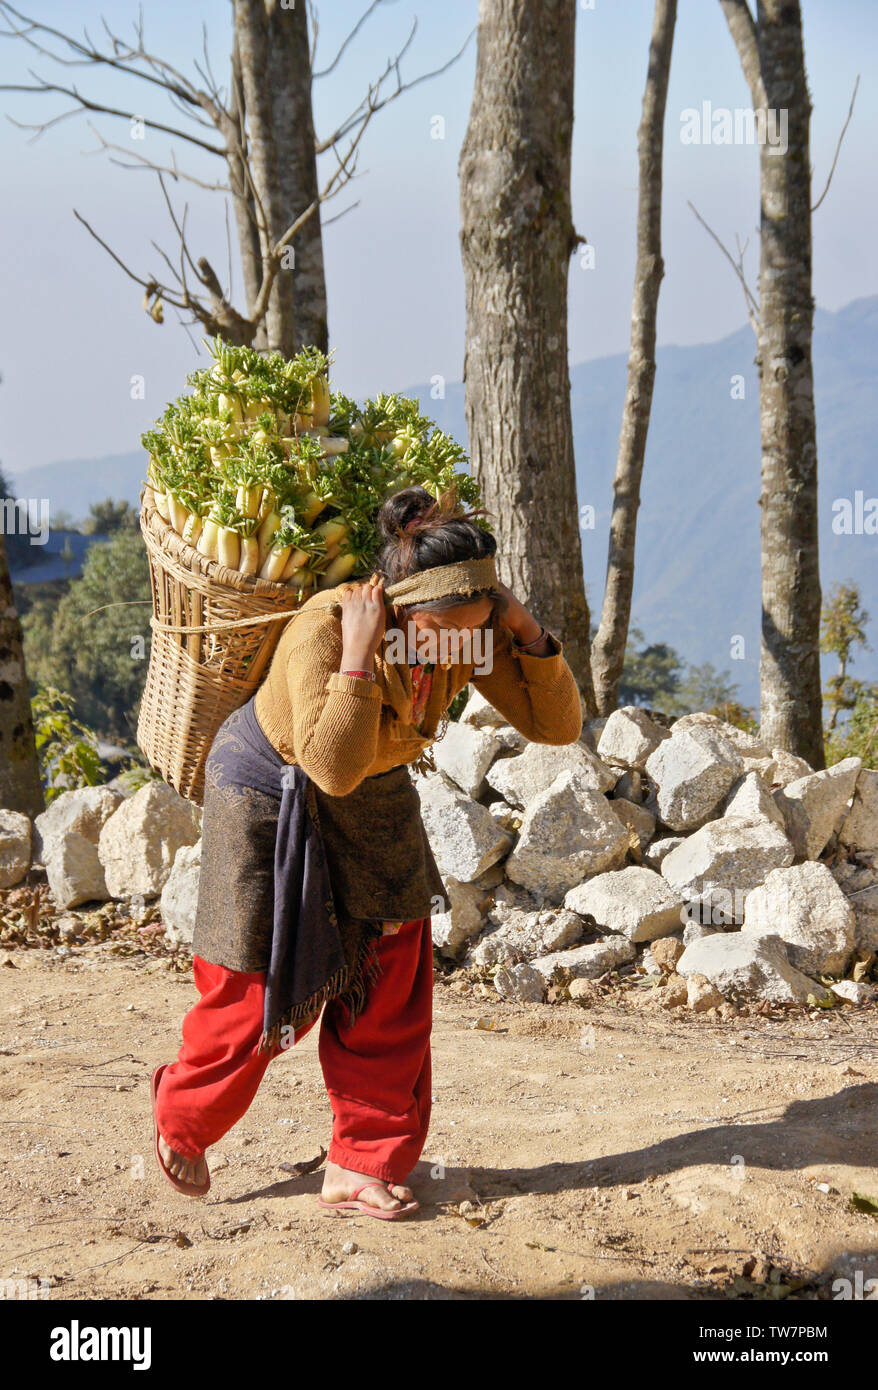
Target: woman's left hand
[513,614]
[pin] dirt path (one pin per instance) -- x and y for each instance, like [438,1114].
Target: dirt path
[616,1149]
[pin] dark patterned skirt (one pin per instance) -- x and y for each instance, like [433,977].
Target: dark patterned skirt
[298,884]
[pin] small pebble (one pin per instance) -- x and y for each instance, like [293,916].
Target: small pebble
[349,1248]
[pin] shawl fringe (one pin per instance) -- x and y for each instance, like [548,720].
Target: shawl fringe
[350,985]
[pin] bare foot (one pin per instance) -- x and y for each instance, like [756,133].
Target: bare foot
[192,1170]
[339,1183]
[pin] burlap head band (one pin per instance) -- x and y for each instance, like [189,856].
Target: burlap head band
[444,581]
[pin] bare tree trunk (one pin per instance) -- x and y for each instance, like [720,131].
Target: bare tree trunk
[297,169]
[773,60]
[20,787]
[517,237]
[608,649]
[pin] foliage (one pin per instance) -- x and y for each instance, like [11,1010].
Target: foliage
[842,628]
[67,750]
[104,518]
[653,675]
[101,659]
[858,736]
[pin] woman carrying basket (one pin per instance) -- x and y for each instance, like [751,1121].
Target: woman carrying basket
[317,880]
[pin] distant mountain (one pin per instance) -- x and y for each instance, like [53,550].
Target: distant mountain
[697,572]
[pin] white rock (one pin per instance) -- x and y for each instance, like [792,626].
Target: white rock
[568,832]
[855,991]
[788,767]
[464,836]
[691,778]
[479,712]
[527,933]
[520,983]
[696,931]
[748,745]
[629,736]
[805,907]
[464,754]
[637,818]
[139,842]
[658,850]
[860,827]
[509,738]
[586,962]
[84,811]
[179,898]
[74,870]
[15,847]
[636,903]
[68,833]
[751,799]
[452,930]
[813,806]
[701,994]
[756,967]
[520,779]
[723,862]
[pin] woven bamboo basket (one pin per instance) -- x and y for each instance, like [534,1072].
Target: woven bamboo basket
[214,631]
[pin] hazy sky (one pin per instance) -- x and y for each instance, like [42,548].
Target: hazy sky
[73,332]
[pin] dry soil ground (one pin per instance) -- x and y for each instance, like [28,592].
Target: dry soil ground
[617,1150]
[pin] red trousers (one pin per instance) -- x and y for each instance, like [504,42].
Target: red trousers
[376,1070]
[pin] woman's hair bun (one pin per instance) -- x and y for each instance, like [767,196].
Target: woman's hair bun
[401,513]
[420,531]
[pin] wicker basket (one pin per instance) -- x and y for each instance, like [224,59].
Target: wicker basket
[213,635]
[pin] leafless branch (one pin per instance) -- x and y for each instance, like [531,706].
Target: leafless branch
[742,28]
[838,146]
[371,103]
[737,267]
[324,72]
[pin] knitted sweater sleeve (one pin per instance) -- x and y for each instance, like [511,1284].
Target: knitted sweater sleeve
[336,718]
[538,695]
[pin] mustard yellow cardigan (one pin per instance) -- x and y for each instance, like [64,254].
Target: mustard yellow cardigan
[342,729]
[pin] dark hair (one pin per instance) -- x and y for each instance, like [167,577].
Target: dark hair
[421,531]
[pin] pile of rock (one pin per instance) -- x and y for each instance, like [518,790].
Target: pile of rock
[688,851]
[97,845]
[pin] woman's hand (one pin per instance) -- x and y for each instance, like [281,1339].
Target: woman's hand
[513,614]
[363,622]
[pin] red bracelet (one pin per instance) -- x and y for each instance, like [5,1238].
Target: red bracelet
[364,675]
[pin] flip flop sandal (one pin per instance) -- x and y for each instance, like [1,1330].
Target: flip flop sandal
[189,1189]
[353,1205]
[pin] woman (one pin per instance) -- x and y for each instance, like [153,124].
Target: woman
[317,880]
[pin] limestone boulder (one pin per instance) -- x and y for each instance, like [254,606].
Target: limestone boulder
[814,806]
[138,844]
[68,835]
[788,767]
[479,713]
[752,967]
[723,862]
[521,984]
[751,799]
[693,772]
[657,850]
[179,898]
[15,847]
[859,829]
[586,962]
[464,836]
[805,907]
[629,737]
[636,903]
[466,918]
[860,886]
[464,754]
[520,779]
[568,832]
[526,933]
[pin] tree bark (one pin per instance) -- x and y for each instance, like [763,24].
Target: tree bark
[773,59]
[20,786]
[608,649]
[517,237]
[289,78]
